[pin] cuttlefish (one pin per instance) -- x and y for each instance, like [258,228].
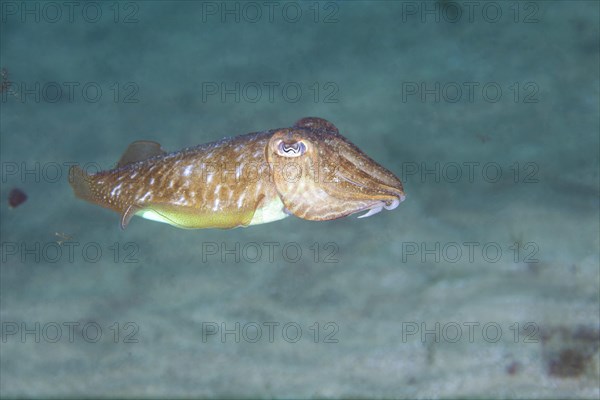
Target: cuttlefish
[309,170]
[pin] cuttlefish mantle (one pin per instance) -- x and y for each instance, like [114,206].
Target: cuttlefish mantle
[309,170]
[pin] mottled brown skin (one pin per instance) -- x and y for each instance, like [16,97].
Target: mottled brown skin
[337,178]
[309,170]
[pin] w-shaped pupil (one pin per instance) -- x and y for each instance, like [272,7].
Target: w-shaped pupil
[291,148]
[296,148]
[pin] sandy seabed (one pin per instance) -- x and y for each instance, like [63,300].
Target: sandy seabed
[483,283]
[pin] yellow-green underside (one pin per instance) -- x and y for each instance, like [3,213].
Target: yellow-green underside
[187,217]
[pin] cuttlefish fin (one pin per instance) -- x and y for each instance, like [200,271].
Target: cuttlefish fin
[128,214]
[139,151]
[81,184]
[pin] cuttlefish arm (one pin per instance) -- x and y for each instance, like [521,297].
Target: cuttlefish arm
[333,178]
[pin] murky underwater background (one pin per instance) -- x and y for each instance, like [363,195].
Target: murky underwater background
[484,282]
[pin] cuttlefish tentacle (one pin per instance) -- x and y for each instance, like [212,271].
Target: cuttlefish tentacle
[308,170]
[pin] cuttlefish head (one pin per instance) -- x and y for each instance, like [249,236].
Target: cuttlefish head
[320,175]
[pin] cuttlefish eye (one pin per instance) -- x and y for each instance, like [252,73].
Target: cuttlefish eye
[293,149]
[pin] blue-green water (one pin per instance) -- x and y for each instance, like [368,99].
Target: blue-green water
[484,282]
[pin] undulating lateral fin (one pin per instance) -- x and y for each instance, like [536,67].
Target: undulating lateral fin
[80,183]
[139,151]
[128,214]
